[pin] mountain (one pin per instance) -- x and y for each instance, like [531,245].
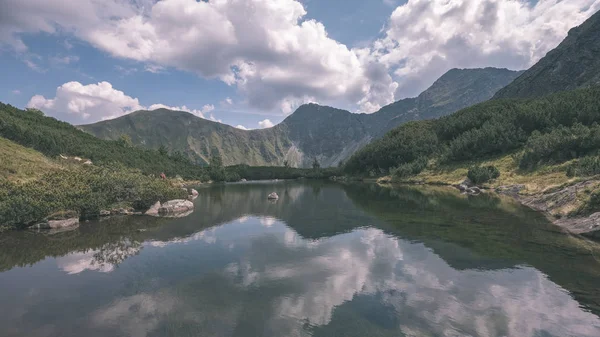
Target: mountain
[313,131]
[575,63]
[195,137]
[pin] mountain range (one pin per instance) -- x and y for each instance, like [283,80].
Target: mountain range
[313,131]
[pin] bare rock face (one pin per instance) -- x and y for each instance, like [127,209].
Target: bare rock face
[273,196]
[581,225]
[176,208]
[153,211]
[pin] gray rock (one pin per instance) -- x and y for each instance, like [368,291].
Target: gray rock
[176,208]
[273,196]
[467,182]
[153,211]
[194,192]
[104,213]
[243,180]
[57,224]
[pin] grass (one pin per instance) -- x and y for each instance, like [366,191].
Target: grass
[19,164]
[535,181]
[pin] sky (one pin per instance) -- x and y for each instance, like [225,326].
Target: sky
[250,63]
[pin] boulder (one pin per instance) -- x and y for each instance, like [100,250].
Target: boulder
[153,211]
[176,208]
[273,196]
[467,183]
[77,159]
[57,224]
[87,162]
[104,213]
[194,192]
[243,180]
[473,190]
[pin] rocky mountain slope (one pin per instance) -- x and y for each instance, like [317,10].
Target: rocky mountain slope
[575,63]
[312,131]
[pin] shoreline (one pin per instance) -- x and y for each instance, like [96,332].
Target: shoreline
[549,202]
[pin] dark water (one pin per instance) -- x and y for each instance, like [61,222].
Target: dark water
[324,260]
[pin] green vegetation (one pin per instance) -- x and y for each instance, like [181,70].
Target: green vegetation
[85,190]
[483,174]
[278,172]
[548,130]
[52,138]
[312,131]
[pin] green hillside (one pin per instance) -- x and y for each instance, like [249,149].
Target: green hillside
[52,138]
[312,131]
[196,137]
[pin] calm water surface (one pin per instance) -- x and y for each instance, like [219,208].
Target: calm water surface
[323,260]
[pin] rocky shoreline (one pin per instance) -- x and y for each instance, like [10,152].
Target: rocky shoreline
[554,202]
[69,220]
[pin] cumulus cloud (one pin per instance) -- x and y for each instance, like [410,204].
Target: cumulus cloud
[198,112]
[425,38]
[78,103]
[265,48]
[265,124]
[276,57]
[241,127]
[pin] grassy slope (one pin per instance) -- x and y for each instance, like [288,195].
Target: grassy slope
[196,137]
[20,164]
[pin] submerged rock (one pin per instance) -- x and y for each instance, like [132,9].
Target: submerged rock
[273,196]
[176,208]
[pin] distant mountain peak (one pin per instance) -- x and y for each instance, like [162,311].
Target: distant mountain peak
[575,63]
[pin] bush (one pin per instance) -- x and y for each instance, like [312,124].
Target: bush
[409,169]
[84,190]
[586,166]
[483,174]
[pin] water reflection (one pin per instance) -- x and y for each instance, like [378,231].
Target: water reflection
[324,260]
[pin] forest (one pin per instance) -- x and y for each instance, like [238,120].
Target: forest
[547,130]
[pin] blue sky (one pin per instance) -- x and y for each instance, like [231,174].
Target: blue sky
[242,69]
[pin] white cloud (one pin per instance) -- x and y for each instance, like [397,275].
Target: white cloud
[228,101]
[241,127]
[77,103]
[33,66]
[275,56]
[16,92]
[265,124]
[425,38]
[198,112]
[265,48]
[152,68]
[64,60]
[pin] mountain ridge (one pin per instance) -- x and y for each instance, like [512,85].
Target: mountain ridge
[573,64]
[313,131]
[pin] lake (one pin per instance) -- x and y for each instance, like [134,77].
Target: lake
[325,259]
